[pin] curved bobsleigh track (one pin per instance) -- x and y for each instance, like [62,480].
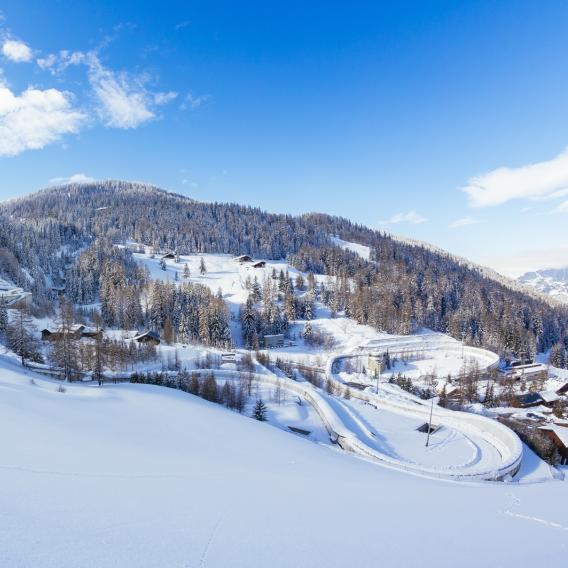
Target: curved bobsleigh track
[503,441]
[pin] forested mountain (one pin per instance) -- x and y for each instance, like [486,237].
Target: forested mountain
[66,234]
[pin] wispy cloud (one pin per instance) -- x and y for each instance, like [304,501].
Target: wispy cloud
[541,180]
[122,100]
[410,217]
[35,118]
[562,208]
[75,178]
[463,222]
[192,102]
[16,51]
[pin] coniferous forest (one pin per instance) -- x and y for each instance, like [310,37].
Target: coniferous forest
[65,237]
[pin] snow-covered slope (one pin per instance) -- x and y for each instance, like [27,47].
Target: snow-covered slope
[133,475]
[553,282]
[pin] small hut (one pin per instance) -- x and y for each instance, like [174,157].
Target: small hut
[148,337]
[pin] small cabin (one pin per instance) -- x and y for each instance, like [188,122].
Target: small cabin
[273,341]
[243,258]
[148,337]
[259,264]
[75,332]
[169,256]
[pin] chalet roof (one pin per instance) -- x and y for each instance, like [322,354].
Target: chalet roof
[549,396]
[73,328]
[243,258]
[560,431]
[152,334]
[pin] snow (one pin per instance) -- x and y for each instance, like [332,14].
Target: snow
[362,250]
[141,476]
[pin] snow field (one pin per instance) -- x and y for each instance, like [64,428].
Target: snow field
[142,476]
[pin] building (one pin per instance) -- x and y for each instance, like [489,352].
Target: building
[563,389]
[518,370]
[243,258]
[148,337]
[559,436]
[75,332]
[169,256]
[532,399]
[273,341]
[13,297]
[260,264]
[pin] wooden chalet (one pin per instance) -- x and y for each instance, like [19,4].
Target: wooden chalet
[532,399]
[243,258]
[148,337]
[559,436]
[75,332]
[259,264]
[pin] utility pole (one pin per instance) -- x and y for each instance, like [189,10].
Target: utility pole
[430,422]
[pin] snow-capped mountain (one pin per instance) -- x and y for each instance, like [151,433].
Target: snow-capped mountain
[553,282]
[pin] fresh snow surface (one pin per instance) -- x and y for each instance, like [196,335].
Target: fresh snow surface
[362,250]
[141,476]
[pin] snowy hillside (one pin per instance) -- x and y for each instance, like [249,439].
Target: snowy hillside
[141,476]
[553,282]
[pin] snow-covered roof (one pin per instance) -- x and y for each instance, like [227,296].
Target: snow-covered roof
[549,396]
[560,431]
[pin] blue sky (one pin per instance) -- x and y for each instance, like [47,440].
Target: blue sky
[442,121]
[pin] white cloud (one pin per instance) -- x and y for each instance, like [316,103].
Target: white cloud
[542,180]
[192,102]
[75,178]
[562,208]
[16,51]
[123,102]
[164,98]
[463,222]
[409,217]
[35,119]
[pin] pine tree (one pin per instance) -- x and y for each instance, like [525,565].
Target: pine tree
[210,390]
[202,267]
[259,412]
[20,337]
[186,271]
[168,331]
[64,352]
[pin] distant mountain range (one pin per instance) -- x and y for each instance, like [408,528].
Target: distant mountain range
[552,281]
